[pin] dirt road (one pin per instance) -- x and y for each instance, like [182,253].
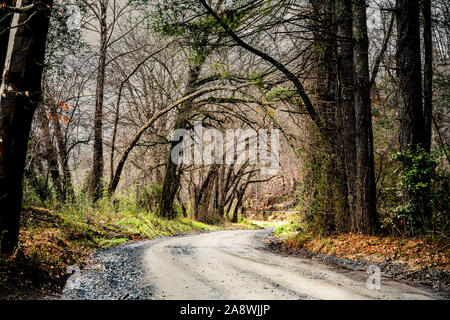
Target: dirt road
[237,265]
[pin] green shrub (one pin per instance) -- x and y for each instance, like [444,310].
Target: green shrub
[425,194]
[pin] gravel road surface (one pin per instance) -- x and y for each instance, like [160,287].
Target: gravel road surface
[235,264]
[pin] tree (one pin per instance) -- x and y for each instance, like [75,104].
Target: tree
[171,180]
[5,22]
[365,209]
[413,136]
[346,101]
[20,94]
[412,131]
[64,183]
[115,181]
[354,149]
[428,72]
[335,207]
[97,161]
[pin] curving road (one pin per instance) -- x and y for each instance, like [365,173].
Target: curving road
[236,265]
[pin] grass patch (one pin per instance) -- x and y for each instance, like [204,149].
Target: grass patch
[106,243]
[290,228]
[262,224]
[244,224]
[287,229]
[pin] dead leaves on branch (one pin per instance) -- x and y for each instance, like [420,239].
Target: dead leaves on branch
[62,108]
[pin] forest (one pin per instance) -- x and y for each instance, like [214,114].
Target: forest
[339,112]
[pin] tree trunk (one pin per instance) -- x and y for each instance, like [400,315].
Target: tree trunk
[240,196]
[366,209]
[409,74]
[203,197]
[168,192]
[97,171]
[346,109]
[222,193]
[325,45]
[61,150]
[50,153]
[171,175]
[428,72]
[336,192]
[20,95]
[5,22]
[413,133]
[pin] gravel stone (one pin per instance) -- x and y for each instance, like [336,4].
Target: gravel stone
[116,273]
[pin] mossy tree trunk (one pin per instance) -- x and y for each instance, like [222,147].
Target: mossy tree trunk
[334,208]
